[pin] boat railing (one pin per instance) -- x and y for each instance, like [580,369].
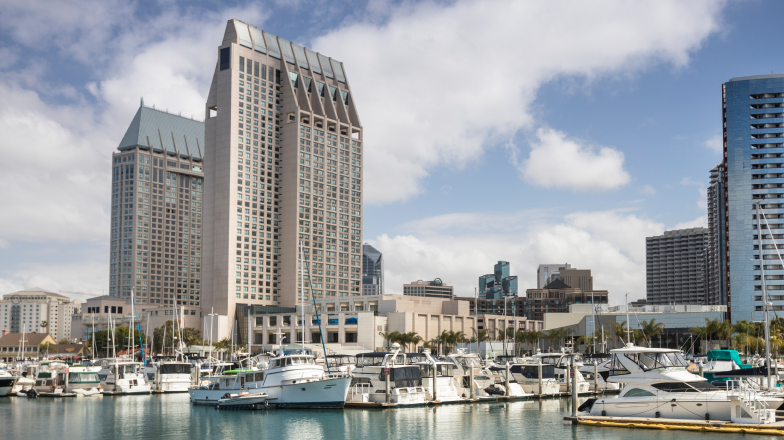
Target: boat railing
[336,375]
[360,389]
[745,390]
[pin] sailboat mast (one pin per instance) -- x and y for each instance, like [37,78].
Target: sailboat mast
[764,294]
[628,323]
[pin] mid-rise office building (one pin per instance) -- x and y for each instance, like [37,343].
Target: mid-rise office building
[577,278]
[283,160]
[432,289]
[676,267]
[753,112]
[157,203]
[38,311]
[372,271]
[716,282]
[547,273]
[498,284]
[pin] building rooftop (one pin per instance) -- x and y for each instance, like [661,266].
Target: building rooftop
[749,78]
[682,232]
[34,290]
[31,339]
[161,131]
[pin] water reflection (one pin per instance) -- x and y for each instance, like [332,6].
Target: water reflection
[173,417]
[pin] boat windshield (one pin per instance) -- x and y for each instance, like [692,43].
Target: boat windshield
[550,360]
[83,377]
[298,360]
[685,387]
[653,361]
[444,370]
[469,362]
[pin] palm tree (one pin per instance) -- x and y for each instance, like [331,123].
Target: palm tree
[618,331]
[44,324]
[699,332]
[650,329]
[535,336]
[390,337]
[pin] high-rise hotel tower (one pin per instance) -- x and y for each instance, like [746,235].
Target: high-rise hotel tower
[283,164]
[157,184]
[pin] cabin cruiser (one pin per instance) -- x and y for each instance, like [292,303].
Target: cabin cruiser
[658,385]
[167,375]
[370,373]
[293,380]
[563,363]
[465,363]
[129,377]
[722,361]
[7,382]
[596,364]
[438,377]
[527,375]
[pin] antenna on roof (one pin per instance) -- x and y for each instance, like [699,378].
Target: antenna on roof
[142,103]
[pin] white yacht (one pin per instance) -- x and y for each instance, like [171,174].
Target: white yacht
[562,363]
[293,381]
[658,385]
[602,363]
[129,380]
[527,375]
[442,388]
[483,380]
[369,378]
[7,382]
[167,375]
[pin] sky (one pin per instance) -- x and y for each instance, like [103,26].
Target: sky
[526,131]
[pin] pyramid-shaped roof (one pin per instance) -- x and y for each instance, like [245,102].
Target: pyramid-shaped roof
[164,131]
[557,284]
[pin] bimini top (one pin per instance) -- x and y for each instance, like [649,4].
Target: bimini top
[164,131]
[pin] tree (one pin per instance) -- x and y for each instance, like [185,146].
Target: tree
[64,341]
[44,324]
[650,329]
[190,336]
[224,344]
[44,347]
[619,331]
[103,340]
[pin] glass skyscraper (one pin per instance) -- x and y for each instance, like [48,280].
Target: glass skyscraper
[753,114]
[372,271]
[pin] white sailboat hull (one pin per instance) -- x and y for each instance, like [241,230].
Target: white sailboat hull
[679,409]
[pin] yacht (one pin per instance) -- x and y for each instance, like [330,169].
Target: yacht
[292,380]
[130,379]
[465,363]
[369,379]
[167,375]
[722,361]
[658,385]
[598,363]
[562,363]
[527,375]
[7,382]
[440,388]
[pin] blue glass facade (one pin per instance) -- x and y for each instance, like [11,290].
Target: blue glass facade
[753,120]
[499,284]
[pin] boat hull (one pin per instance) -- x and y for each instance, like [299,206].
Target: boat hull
[327,393]
[6,385]
[680,409]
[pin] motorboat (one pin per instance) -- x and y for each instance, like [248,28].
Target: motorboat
[591,370]
[438,378]
[244,401]
[167,375]
[293,380]
[123,375]
[370,373]
[7,382]
[465,364]
[536,379]
[722,361]
[657,384]
[563,363]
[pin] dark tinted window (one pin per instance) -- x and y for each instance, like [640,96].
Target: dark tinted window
[682,387]
[175,369]
[225,58]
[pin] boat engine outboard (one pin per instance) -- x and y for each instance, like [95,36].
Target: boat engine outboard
[32,392]
[496,389]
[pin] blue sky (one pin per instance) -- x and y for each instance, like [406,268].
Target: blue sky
[501,130]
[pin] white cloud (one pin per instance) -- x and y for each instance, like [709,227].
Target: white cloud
[436,83]
[699,222]
[715,143]
[610,243]
[82,276]
[702,201]
[558,162]
[648,189]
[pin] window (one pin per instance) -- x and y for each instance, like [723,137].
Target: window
[637,392]
[225,58]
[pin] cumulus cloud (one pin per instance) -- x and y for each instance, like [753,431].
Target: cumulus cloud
[699,222]
[702,190]
[84,276]
[558,162]
[610,243]
[438,83]
[649,190]
[715,143]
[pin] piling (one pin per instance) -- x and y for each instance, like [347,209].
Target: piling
[506,381]
[471,383]
[574,387]
[541,393]
[595,378]
[389,372]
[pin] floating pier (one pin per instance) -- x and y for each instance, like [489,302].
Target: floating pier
[718,426]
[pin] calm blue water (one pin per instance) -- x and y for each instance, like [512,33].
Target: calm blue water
[173,417]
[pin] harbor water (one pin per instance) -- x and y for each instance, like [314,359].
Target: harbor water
[173,417]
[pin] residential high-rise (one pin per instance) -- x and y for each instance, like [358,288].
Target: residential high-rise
[284,165]
[716,283]
[156,223]
[676,267]
[372,271]
[38,311]
[546,273]
[753,110]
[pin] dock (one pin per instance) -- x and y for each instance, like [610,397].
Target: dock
[57,395]
[719,426]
